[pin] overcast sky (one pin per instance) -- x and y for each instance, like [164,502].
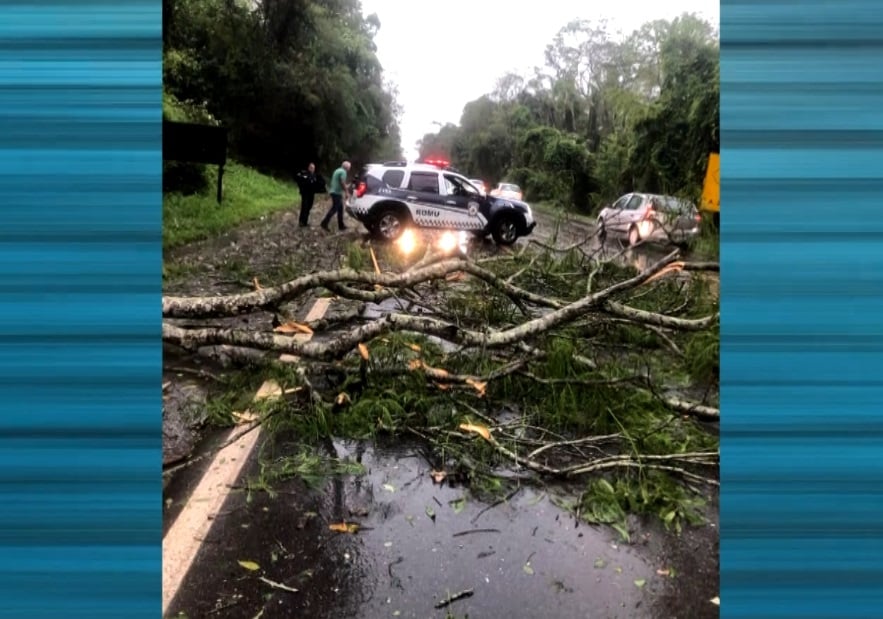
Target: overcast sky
[442,55]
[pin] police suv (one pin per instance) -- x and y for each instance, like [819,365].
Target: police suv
[395,195]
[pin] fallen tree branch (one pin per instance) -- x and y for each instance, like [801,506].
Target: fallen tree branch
[634,314]
[581,381]
[574,443]
[514,293]
[343,343]
[636,464]
[336,281]
[326,322]
[368,296]
[600,264]
[522,270]
[701,411]
[657,462]
[231,305]
[703,457]
[195,372]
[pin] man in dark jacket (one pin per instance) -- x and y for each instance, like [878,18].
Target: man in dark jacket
[309,183]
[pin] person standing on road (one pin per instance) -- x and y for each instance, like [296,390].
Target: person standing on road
[339,192]
[309,183]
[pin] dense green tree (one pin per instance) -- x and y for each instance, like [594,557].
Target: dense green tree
[603,115]
[293,80]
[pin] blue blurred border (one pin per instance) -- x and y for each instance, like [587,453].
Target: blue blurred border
[80,285]
[802,289]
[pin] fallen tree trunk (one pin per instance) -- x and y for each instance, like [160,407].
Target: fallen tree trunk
[231,305]
[191,339]
[341,281]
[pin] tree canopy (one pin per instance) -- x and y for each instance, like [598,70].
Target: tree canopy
[601,117]
[294,80]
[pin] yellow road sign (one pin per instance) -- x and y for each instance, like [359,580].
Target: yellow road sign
[711,189]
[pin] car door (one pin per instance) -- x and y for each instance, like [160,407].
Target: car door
[630,213]
[614,213]
[424,197]
[462,204]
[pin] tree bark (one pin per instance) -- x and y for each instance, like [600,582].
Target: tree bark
[231,305]
[659,320]
[191,339]
[341,281]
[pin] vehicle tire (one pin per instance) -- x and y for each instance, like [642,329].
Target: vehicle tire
[505,230]
[602,231]
[389,223]
[634,236]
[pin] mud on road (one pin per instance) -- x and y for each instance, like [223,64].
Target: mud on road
[522,558]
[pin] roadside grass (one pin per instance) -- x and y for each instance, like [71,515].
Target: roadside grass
[247,195]
[177,272]
[707,243]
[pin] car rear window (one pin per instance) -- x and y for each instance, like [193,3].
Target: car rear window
[372,182]
[425,182]
[672,205]
[394,178]
[507,187]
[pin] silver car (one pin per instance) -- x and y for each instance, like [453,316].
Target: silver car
[479,184]
[649,217]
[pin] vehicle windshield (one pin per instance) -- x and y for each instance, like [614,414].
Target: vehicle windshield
[672,204]
[509,187]
[459,186]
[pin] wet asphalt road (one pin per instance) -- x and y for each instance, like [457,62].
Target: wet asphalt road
[421,542]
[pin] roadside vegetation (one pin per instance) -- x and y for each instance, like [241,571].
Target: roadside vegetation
[294,81]
[248,195]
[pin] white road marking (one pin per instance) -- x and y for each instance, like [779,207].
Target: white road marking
[186,535]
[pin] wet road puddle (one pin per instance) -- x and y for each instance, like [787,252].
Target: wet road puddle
[418,545]
[525,557]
